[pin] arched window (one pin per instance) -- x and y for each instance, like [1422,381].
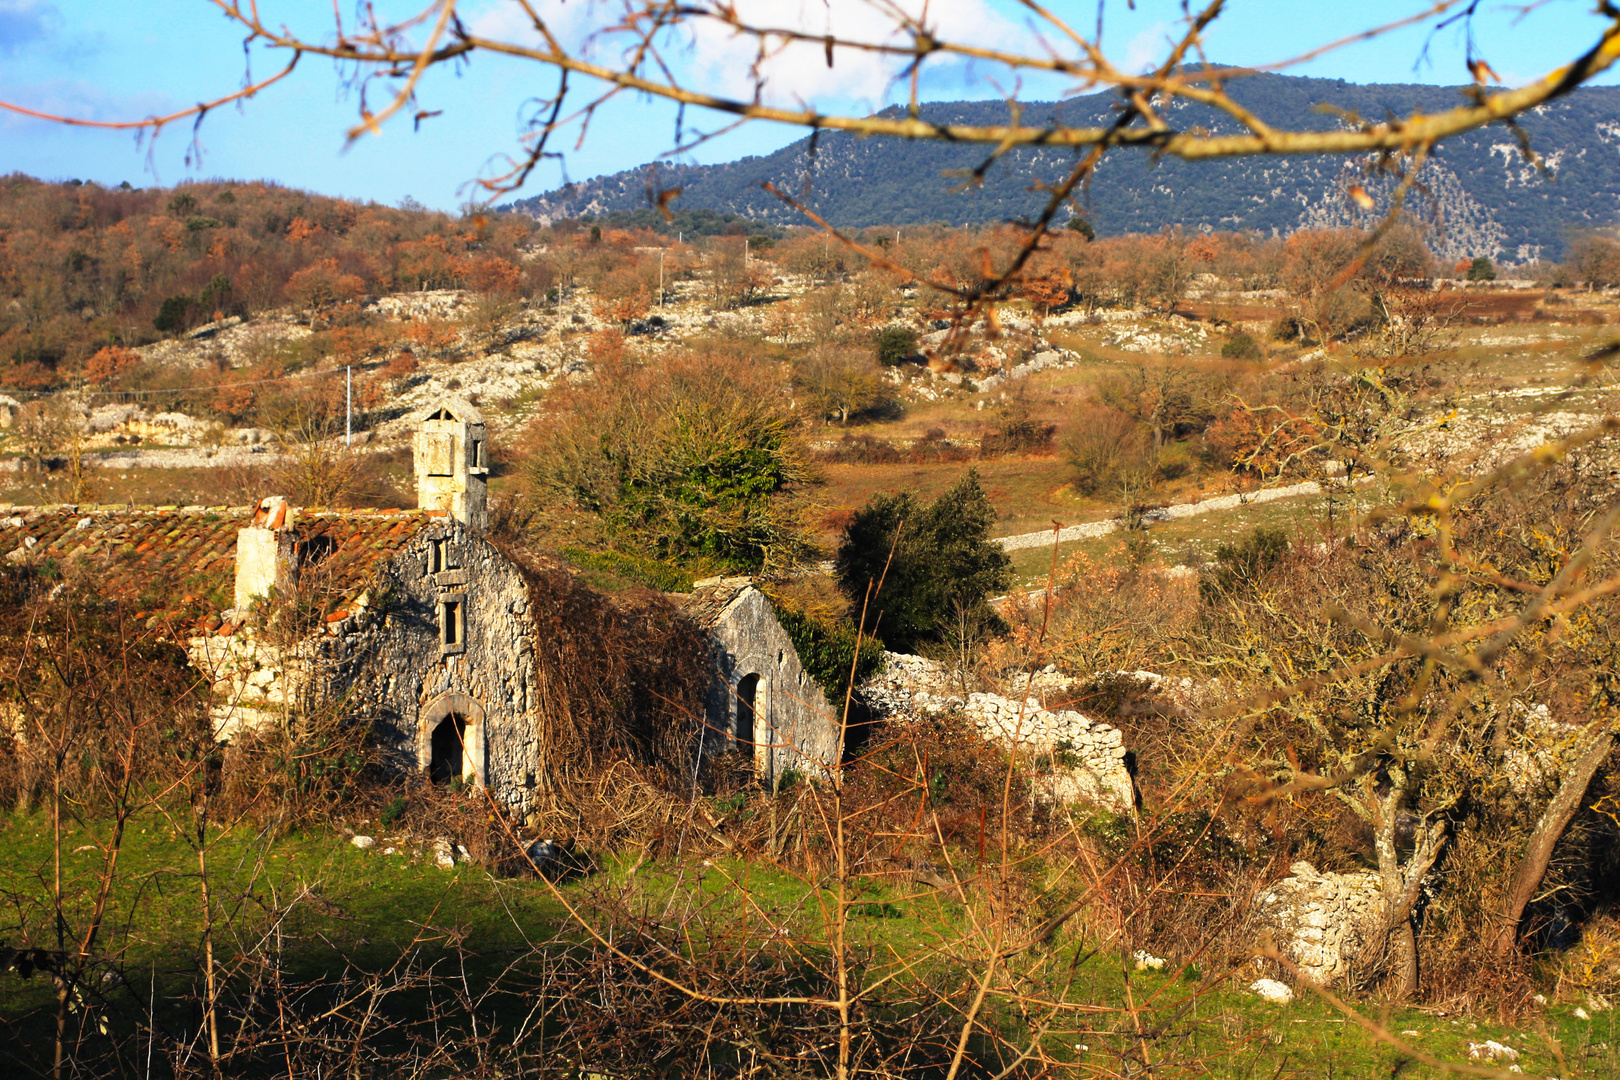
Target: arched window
[747,693]
[450,739]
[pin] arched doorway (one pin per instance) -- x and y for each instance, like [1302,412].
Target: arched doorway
[747,696]
[447,753]
[450,739]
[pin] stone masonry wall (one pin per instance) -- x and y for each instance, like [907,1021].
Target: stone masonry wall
[254,681]
[1322,920]
[795,727]
[389,661]
[1073,758]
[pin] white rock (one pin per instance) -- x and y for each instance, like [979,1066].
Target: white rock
[1146,961]
[444,855]
[1491,1050]
[362,842]
[1272,990]
[1582,1014]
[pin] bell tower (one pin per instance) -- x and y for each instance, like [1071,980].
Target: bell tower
[450,459]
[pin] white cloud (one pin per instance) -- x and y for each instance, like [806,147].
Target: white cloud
[25,22]
[710,56]
[1147,49]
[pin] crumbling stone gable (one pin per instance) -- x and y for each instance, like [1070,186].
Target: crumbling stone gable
[795,726]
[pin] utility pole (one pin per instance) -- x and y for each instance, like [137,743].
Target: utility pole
[660,277]
[348,407]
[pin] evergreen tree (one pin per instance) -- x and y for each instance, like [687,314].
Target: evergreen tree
[943,562]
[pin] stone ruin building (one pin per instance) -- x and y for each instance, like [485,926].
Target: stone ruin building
[411,619]
[760,699]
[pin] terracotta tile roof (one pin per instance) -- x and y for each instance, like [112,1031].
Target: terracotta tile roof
[177,565]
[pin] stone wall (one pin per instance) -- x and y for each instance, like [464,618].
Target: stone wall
[404,674]
[385,662]
[795,727]
[449,453]
[1321,921]
[1539,749]
[1071,757]
[253,688]
[388,663]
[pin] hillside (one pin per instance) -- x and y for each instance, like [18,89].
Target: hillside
[1485,198]
[84,267]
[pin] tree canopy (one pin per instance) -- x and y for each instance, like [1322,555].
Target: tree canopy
[944,563]
[698,459]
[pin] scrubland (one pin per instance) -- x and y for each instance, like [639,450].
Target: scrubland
[1404,672]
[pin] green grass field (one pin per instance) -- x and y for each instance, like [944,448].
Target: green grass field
[348,910]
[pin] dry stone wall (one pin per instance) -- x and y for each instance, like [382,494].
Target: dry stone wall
[1540,748]
[1322,920]
[1072,757]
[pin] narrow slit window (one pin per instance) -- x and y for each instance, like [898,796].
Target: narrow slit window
[435,559]
[452,625]
[478,453]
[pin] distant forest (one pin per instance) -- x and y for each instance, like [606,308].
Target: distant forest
[88,273]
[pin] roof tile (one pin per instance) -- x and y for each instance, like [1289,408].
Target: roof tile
[180,565]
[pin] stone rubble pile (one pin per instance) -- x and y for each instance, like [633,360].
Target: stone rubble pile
[1074,758]
[1272,990]
[1491,1050]
[1322,920]
[1177,336]
[1041,361]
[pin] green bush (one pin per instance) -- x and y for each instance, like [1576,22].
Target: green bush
[644,571]
[894,344]
[1082,226]
[1241,346]
[173,314]
[1242,564]
[828,649]
[392,812]
[1481,269]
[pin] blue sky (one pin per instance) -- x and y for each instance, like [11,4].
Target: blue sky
[125,59]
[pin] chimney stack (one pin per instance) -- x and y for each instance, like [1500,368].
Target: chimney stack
[266,553]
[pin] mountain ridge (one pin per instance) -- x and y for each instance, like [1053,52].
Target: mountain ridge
[1478,193]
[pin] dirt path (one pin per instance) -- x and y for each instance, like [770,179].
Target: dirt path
[1093,529]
